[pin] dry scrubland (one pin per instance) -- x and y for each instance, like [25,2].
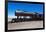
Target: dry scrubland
[25,25]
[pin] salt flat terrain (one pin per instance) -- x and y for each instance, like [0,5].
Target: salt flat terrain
[25,25]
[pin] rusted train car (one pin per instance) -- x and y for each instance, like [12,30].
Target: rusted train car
[27,16]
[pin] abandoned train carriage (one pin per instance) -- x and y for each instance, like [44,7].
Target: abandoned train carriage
[26,16]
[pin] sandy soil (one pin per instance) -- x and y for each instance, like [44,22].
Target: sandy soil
[25,25]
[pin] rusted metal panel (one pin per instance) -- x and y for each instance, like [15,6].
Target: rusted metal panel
[23,14]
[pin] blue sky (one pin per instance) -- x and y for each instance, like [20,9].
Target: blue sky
[12,7]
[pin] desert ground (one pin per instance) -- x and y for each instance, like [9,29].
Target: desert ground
[25,25]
